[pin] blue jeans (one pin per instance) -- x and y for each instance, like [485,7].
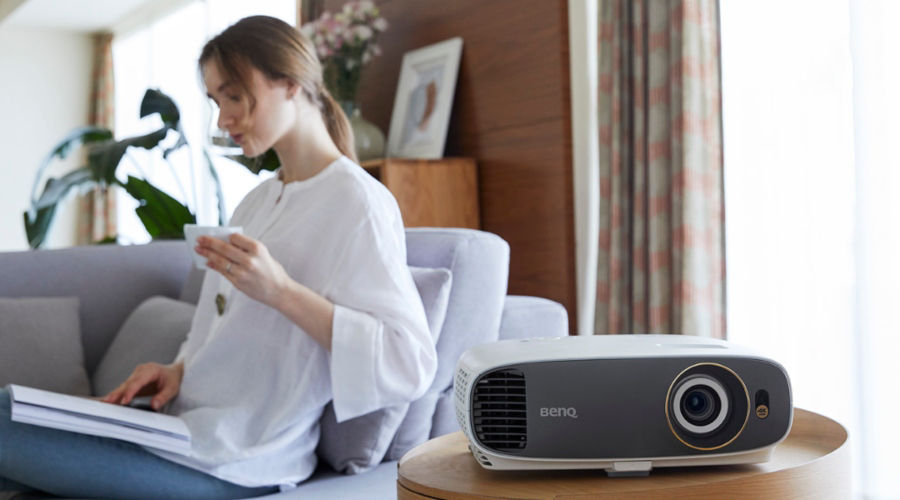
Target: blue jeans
[78,465]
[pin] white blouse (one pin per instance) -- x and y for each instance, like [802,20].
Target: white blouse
[255,384]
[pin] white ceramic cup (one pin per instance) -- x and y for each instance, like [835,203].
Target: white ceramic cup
[193,231]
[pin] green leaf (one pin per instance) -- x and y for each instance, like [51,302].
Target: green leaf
[105,158]
[182,141]
[79,136]
[266,161]
[56,189]
[163,216]
[40,214]
[36,230]
[155,101]
[109,240]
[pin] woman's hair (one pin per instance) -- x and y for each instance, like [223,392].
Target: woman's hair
[277,50]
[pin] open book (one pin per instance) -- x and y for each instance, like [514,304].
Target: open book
[87,416]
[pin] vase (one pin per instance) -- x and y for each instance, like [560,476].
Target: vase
[368,140]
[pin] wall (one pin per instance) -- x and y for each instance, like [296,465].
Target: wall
[45,73]
[511,112]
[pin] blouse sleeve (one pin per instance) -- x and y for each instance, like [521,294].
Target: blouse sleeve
[382,352]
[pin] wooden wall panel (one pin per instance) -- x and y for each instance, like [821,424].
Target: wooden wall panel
[511,113]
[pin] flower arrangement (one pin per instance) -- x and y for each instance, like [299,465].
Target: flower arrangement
[345,42]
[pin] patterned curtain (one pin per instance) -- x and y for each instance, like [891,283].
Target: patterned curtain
[97,208]
[661,266]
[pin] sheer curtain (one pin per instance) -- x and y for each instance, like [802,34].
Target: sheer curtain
[97,208]
[812,212]
[660,242]
[163,54]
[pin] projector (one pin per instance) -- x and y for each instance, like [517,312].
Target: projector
[623,403]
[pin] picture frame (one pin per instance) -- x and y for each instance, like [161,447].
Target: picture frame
[424,100]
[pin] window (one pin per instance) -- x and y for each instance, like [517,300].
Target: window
[812,221]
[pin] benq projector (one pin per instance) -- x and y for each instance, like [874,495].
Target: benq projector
[623,403]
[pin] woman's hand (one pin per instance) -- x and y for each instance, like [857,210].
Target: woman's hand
[247,264]
[149,379]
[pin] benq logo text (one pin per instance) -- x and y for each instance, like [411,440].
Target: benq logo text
[559,412]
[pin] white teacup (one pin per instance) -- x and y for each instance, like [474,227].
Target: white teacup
[193,231]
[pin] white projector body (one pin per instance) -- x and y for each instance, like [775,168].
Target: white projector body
[623,403]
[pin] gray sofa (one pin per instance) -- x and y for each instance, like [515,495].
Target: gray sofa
[111,281]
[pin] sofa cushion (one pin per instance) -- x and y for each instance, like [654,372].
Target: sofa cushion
[479,262]
[359,444]
[40,344]
[192,285]
[433,285]
[444,421]
[152,333]
[110,281]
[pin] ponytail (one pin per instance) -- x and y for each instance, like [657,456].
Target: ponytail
[337,123]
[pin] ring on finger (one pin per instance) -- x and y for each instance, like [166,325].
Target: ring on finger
[228,267]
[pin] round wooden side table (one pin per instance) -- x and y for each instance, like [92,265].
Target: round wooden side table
[813,462]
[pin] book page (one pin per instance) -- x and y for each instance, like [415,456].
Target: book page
[97,410]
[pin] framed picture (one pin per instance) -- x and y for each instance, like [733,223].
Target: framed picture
[423,101]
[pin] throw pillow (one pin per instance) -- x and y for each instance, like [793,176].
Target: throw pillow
[434,286]
[153,332]
[41,344]
[359,444]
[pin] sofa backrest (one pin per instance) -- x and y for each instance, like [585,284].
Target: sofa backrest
[112,280]
[479,262]
[109,280]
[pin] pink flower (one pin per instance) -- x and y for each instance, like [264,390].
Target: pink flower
[363,32]
[348,37]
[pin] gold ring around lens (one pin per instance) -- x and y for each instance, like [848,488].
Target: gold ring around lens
[669,417]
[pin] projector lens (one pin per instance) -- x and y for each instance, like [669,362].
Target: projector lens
[700,405]
[707,406]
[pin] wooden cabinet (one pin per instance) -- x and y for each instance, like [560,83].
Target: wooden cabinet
[431,193]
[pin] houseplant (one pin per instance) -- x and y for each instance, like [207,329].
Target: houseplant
[162,215]
[345,42]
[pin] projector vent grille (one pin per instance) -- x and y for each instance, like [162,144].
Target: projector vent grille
[498,410]
[461,388]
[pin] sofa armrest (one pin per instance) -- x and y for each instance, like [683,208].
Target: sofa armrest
[528,317]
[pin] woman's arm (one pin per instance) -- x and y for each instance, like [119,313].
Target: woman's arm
[247,264]
[308,310]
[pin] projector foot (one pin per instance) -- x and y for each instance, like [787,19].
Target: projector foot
[629,469]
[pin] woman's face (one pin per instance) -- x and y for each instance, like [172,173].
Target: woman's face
[271,118]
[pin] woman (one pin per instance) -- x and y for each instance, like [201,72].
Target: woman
[313,303]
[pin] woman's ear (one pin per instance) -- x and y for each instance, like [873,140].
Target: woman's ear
[293,90]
